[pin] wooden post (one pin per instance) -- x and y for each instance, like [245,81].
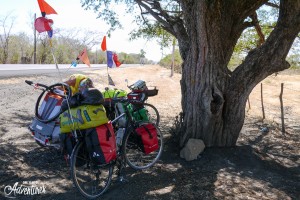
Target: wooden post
[282,113]
[34,45]
[262,101]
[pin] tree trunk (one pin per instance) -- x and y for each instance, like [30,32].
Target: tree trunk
[213,98]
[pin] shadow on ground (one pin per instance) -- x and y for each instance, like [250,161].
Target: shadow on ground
[259,166]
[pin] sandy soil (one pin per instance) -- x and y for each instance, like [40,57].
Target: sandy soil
[263,165]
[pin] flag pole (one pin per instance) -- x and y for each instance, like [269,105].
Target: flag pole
[54,58]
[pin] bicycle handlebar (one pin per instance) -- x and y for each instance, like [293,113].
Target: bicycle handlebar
[36,84]
[28,82]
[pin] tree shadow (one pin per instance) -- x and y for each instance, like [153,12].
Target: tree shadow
[249,169]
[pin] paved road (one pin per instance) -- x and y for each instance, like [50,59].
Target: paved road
[9,70]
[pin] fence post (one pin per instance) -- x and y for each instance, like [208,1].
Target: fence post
[282,113]
[262,100]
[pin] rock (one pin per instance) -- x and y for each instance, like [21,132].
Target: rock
[192,149]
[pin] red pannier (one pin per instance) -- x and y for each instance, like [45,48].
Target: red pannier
[101,143]
[148,135]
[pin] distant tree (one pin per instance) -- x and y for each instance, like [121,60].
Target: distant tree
[167,61]
[44,55]
[21,48]
[6,24]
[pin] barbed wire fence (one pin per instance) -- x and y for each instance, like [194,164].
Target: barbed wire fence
[279,103]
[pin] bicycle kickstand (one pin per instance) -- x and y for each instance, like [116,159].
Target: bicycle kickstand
[121,171]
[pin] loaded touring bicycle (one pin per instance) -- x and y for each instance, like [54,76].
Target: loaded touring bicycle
[93,144]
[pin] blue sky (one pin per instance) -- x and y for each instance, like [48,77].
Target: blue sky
[71,15]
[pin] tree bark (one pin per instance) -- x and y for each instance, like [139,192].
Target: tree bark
[213,98]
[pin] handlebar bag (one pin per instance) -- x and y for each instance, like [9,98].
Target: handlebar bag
[139,96]
[147,134]
[84,117]
[101,143]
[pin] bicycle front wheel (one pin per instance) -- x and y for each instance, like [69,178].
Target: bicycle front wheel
[134,155]
[91,180]
[152,113]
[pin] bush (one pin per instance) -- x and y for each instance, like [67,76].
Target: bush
[167,62]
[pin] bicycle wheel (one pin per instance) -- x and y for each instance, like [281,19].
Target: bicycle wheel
[152,113]
[134,155]
[90,179]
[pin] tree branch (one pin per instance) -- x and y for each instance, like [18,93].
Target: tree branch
[270,56]
[257,28]
[164,22]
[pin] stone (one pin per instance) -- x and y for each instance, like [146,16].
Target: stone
[192,149]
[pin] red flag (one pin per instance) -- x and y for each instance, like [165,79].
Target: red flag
[46,8]
[115,58]
[112,59]
[43,24]
[83,56]
[103,44]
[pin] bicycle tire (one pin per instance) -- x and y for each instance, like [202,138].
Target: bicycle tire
[152,113]
[134,155]
[91,180]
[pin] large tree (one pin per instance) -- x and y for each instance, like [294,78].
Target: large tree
[213,97]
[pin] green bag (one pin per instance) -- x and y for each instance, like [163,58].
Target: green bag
[84,117]
[140,115]
[108,94]
[137,113]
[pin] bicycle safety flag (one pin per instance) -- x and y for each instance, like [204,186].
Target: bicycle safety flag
[103,44]
[83,56]
[112,59]
[147,133]
[46,8]
[101,143]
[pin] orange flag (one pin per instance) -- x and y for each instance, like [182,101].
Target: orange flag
[83,56]
[46,8]
[103,44]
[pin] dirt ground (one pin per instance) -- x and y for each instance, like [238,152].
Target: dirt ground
[263,165]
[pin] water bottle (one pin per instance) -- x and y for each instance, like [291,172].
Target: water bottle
[120,134]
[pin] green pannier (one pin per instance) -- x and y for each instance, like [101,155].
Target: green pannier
[84,117]
[110,93]
[140,115]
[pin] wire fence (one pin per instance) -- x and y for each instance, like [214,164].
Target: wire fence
[278,103]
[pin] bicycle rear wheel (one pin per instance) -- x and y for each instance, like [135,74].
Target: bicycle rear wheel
[91,180]
[152,113]
[134,155]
